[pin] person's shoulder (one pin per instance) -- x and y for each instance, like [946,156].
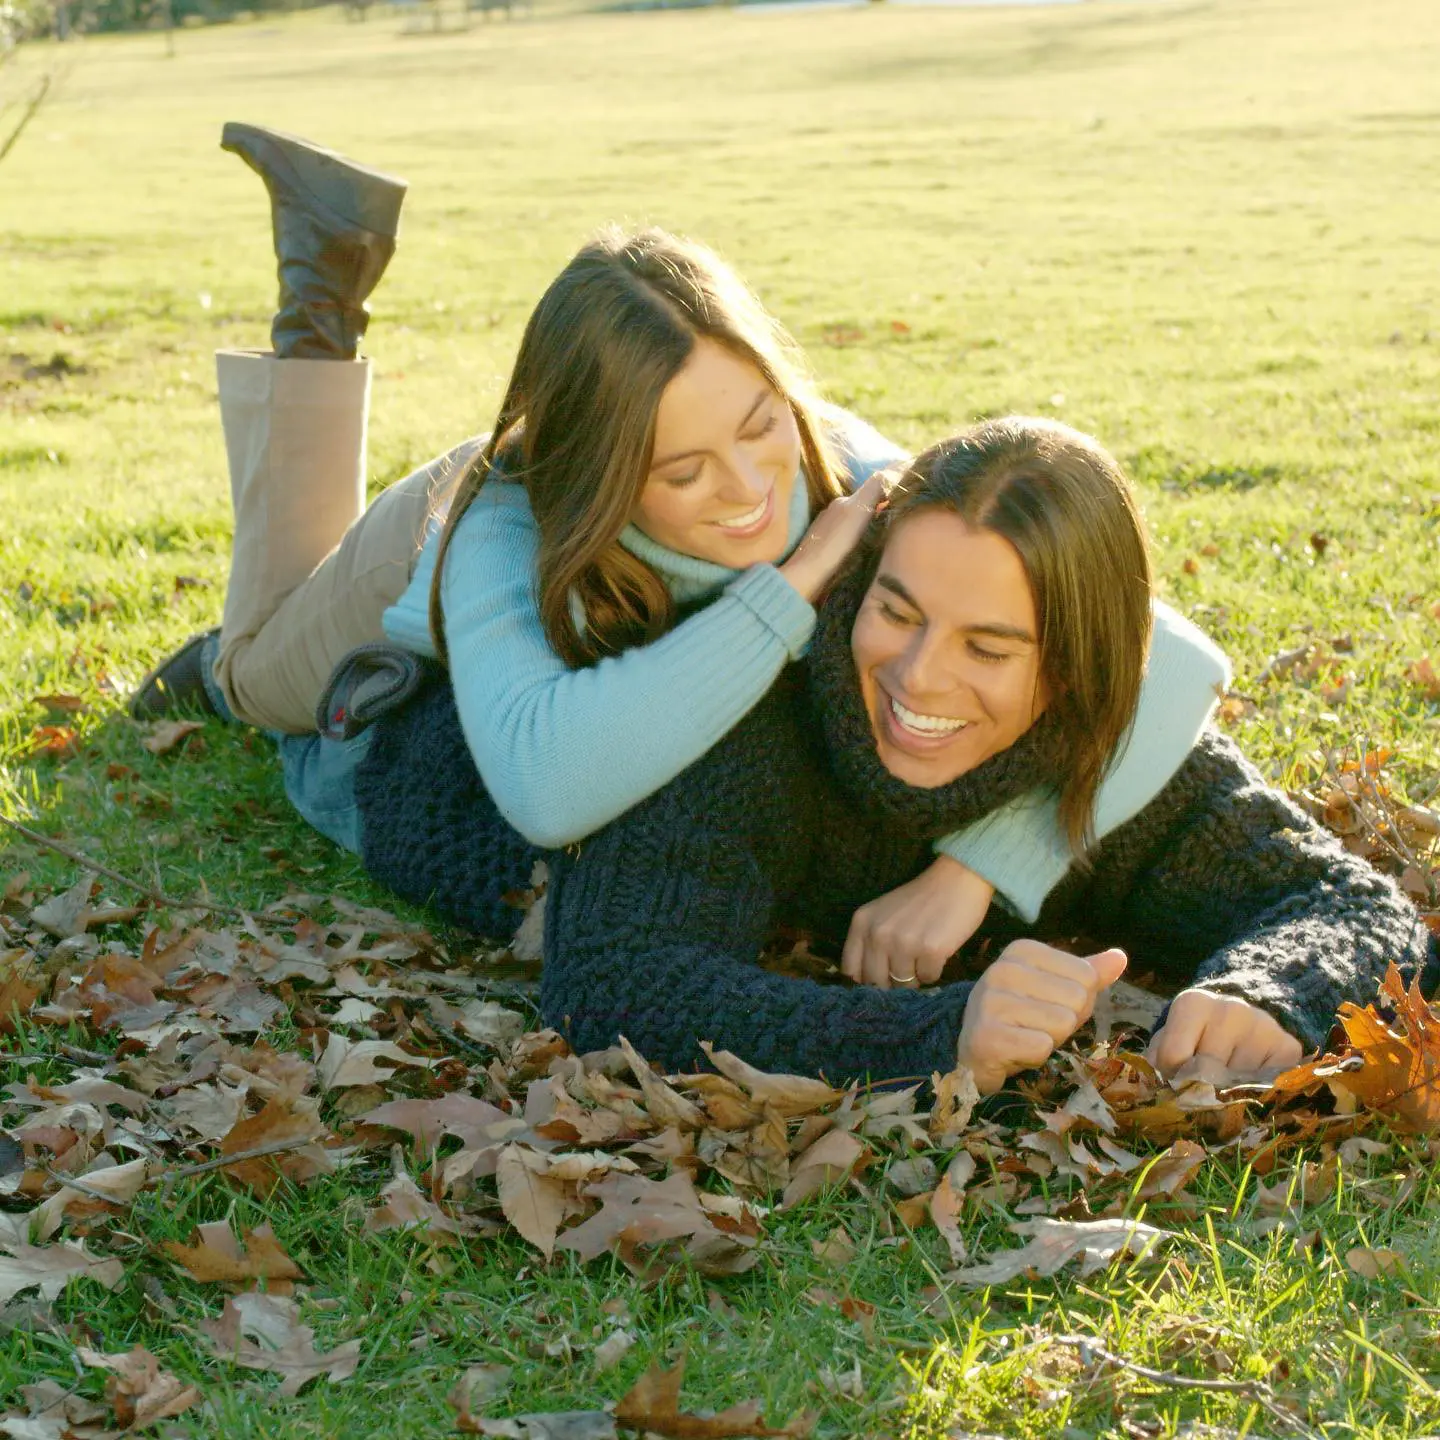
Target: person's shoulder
[500,509]
[764,767]
[859,446]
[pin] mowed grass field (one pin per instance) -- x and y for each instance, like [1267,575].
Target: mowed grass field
[1206,232]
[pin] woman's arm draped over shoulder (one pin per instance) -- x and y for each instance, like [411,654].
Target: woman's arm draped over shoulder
[564,751]
[1222,878]
[1021,849]
[653,932]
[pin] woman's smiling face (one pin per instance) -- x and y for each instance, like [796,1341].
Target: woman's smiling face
[946,647]
[724,465]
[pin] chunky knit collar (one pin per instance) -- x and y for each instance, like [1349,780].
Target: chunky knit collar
[840,710]
[692,581]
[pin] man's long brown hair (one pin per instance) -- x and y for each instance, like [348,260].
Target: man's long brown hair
[1063,502]
[577,425]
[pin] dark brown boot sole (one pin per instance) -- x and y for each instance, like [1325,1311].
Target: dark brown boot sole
[321,179]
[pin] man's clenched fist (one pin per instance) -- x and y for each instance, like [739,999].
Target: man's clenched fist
[1241,1037]
[1031,999]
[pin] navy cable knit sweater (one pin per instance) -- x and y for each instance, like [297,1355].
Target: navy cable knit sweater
[653,925]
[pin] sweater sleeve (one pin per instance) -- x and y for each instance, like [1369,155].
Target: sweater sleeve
[563,752]
[653,933]
[861,448]
[1224,884]
[1021,848]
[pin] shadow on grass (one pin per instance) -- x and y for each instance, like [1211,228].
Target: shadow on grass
[209,818]
[1164,470]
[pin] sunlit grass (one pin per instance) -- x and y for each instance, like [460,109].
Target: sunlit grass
[1203,231]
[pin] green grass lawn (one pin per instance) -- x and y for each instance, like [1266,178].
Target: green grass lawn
[1206,232]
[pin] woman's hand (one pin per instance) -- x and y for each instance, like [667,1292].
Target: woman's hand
[1031,999]
[906,936]
[833,534]
[1240,1036]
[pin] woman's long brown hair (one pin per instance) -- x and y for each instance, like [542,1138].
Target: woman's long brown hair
[576,427]
[1063,502]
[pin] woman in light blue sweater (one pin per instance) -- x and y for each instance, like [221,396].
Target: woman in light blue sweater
[627,563]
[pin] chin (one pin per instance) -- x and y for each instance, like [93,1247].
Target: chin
[919,773]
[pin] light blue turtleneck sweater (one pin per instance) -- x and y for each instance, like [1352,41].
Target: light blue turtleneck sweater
[563,751]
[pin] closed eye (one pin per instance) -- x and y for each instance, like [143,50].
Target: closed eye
[896,617]
[763,430]
[987,657]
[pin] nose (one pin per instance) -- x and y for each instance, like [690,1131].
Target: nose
[745,481]
[924,671]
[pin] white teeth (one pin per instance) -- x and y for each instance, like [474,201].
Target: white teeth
[925,724]
[751,517]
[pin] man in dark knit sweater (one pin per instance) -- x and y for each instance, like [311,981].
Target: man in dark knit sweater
[831,793]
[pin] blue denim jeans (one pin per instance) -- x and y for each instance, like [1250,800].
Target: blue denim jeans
[319,773]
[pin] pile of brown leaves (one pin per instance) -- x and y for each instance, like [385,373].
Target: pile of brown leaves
[585,1155]
[1353,795]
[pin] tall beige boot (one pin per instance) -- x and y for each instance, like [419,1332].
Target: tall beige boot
[295,439]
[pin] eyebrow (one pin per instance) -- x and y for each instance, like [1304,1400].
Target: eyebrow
[999,631]
[686,454]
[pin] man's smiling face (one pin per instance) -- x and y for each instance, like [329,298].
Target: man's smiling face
[946,647]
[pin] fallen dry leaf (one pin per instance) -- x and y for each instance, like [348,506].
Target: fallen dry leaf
[555,1425]
[477,1386]
[637,1211]
[946,1204]
[612,1350]
[1400,1071]
[534,1202]
[1054,1243]
[1173,1170]
[219,1256]
[61,704]
[53,742]
[837,1249]
[955,1100]
[163,736]
[117,1184]
[18,992]
[667,1106]
[914,1175]
[784,1094]
[139,1391]
[1372,1264]
[292,1124]
[403,1207]
[68,913]
[50,1268]
[1422,674]
[263,1332]
[55,1413]
[835,1156]
[469,1120]
[653,1404]
[357,1062]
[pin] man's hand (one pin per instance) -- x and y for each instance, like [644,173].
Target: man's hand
[906,936]
[1241,1037]
[1031,999]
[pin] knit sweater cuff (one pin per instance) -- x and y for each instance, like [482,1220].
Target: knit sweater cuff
[1018,849]
[778,605]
